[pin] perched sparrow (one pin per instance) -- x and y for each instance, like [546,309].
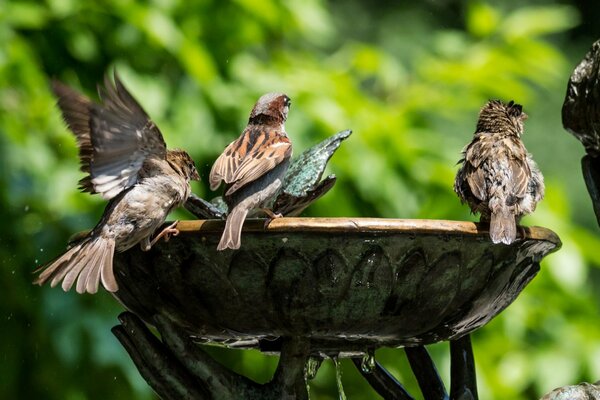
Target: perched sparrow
[498,178]
[253,166]
[128,163]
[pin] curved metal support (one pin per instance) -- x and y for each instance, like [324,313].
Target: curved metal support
[463,382]
[462,374]
[383,382]
[590,166]
[215,377]
[581,117]
[429,381]
[177,368]
[154,361]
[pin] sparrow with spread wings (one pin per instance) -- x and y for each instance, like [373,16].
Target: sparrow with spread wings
[253,166]
[128,163]
[498,178]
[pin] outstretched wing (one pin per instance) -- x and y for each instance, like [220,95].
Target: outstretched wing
[252,155]
[114,138]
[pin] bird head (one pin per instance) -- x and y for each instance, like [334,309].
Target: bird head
[271,108]
[499,117]
[182,162]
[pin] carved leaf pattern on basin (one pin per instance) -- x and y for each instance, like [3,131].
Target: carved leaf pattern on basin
[393,288]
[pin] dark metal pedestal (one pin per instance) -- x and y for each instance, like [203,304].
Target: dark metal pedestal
[177,368]
[462,370]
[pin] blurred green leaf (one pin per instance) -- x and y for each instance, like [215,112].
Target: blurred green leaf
[541,20]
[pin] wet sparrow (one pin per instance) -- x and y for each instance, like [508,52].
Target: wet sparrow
[253,166]
[498,178]
[128,163]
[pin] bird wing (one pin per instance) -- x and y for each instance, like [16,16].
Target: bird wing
[476,181]
[115,137]
[521,174]
[518,166]
[536,183]
[227,162]
[474,154]
[252,155]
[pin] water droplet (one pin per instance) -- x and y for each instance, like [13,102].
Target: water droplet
[338,378]
[312,366]
[367,365]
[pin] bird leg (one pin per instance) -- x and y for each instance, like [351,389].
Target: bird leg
[270,216]
[166,233]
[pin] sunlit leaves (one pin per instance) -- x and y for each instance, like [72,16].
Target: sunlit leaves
[406,78]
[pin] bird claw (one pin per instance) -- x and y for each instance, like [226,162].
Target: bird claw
[270,216]
[166,233]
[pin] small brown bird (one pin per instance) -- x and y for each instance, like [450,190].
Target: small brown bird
[128,163]
[253,166]
[498,178]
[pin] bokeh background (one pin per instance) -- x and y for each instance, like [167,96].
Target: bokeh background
[407,77]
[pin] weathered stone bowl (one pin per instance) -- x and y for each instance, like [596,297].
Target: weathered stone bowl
[348,284]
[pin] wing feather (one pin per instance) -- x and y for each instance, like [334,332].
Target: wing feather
[521,174]
[114,138]
[249,157]
[477,182]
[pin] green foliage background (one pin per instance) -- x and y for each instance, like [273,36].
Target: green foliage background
[407,78]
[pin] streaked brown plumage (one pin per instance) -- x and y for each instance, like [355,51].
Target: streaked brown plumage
[253,166]
[498,178]
[128,163]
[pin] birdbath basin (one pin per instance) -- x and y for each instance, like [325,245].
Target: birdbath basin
[308,288]
[347,284]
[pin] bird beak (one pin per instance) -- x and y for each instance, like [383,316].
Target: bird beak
[195,176]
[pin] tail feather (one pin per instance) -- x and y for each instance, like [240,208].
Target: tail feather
[93,280]
[91,271]
[108,277]
[53,270]
[72,270]
[231,238]
[503,227]
[87,263]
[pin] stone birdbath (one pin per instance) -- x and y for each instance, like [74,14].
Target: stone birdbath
[311,288]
